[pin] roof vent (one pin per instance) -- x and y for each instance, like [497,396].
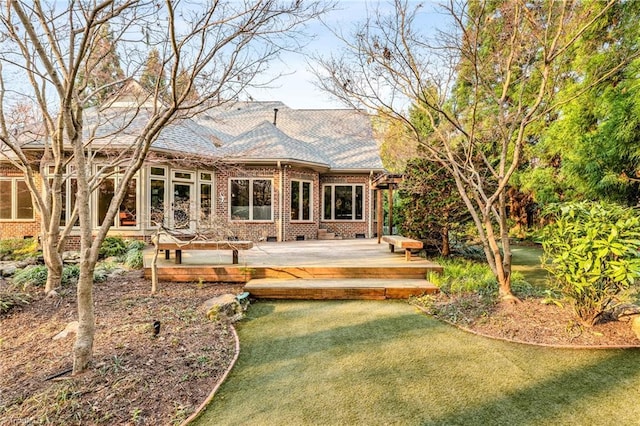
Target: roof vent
[275,116]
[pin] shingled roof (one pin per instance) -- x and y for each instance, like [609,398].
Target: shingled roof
[338,138]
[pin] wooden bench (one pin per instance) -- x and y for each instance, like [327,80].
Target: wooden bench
[168,243]
[398,241]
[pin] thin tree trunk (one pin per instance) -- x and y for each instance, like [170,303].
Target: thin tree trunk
[446,248]
[154,264]
[83,348]
[53,261]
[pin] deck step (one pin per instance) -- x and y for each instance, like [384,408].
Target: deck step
[354,288]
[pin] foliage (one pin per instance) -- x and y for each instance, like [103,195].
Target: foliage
[592,251]
[133,257]
[18,248]
[36,275]
[11,299]
[432,206]
[113,247]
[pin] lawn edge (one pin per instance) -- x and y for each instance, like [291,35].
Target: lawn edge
[524,342]
[219,383]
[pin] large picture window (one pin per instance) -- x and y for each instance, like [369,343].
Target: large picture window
[300,200]
[251,199]
[343,202]
[15,200]
[157,195]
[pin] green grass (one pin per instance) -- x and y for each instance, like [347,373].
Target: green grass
[362,362]
[526,259]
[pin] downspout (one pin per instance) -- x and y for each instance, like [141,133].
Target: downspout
[280,204]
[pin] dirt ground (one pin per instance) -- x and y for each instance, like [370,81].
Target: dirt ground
[532,321]
[135,378]
[138,379]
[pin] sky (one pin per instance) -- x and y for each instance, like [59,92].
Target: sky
[296,88]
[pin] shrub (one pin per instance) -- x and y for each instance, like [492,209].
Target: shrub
[461,275]
[35,275]
[113,247]
[592,251]
[133,258]
[17,249]
[10,300]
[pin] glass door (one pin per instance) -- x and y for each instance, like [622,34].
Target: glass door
[182,206]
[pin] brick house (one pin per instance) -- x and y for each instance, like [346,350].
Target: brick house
[267,171]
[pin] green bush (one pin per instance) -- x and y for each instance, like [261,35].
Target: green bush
[35,275]
[133,258]
[461,276]
[113,247]
[592,251]
[19,248]
[10,300]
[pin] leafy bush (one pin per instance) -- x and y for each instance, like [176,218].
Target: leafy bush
[113,247]
[35,275]
[17,249]
[133,258]
[70,274]
[592,251]
[10,300]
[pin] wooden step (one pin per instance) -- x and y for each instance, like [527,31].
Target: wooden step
[316,289]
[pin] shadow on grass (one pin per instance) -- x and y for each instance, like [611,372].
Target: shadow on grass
[562,395]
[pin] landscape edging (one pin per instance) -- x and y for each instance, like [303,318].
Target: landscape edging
[524,342]
[209,398]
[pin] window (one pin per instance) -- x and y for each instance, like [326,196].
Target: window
[343,202]
[157,195]
[15,200]
[206,197]
[300,200]
[251,199]
[127,215]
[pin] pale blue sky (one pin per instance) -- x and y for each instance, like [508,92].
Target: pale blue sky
[296,89]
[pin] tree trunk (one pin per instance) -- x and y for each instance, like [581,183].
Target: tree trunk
[154,264]
[446,248]
[83,348]
[53,261]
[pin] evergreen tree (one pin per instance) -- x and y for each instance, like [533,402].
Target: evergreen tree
[101,74]
[153,76]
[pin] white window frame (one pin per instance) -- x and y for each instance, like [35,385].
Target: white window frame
[211,184]
[300,183]
[115,176]
[333,202]
[251,180]
[14,201]
[165,202]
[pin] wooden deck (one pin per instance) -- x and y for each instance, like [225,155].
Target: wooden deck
[338,269]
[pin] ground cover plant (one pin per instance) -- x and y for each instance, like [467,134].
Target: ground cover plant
[371,362]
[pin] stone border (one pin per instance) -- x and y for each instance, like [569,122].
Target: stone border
[209,398]
[524,342]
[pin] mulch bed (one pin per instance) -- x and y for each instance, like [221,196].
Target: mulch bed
[135,377]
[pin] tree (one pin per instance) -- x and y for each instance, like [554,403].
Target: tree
[484,86]
[223,46]
[152,77]
[101,74]
[590,149]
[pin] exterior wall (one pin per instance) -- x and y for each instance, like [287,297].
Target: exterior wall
[248,230]
[280,228]
[349,229]
[19,228]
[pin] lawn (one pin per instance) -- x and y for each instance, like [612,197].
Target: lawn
[364,362]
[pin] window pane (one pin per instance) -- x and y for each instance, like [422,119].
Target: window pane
[240,199]
[295,200]
[5,199]
[158,189]
[261,200]
[359,203]
[182,205]
[157,171]
[105,195]
[343,203]
[205,202]
[205,176]
[328,205]
[128,212]
[25,208]
[182,175]
[306,201]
